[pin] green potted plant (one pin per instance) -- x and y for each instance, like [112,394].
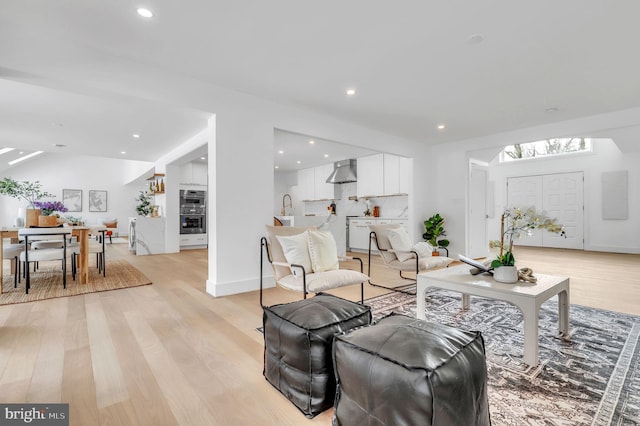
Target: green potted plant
[144,207]
[27,191]
[515,222]
[434,230]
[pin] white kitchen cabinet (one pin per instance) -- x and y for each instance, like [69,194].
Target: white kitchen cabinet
[193,240]
[391,172]
[359,233]
[370,176]
[306,184]
[312,183]
[193,174]
[383,174]
[323,190]
[406,171]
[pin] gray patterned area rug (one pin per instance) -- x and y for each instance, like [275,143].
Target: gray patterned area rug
[592,379]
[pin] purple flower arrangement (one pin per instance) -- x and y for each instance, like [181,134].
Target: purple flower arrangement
[48,207]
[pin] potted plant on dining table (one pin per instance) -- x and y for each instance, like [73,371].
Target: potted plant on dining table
[27,191]
[48,208]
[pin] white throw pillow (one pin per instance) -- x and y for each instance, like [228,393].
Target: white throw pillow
[423,248]
[323,251]
[400,242]
[296,251]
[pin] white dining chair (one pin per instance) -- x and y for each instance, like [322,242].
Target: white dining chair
[29,254]
[12,252]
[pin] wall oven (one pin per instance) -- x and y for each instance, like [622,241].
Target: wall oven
[193,212]
[193,224]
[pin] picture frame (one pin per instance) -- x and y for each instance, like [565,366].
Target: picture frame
[72,199]
[97,201]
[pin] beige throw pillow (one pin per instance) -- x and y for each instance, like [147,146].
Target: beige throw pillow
[323,251]
[400,242]
[296,251]
[423,248]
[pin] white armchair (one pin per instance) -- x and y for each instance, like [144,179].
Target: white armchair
[305,260]
[397,252]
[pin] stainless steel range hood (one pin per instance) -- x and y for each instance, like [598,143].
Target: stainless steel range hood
[343,172]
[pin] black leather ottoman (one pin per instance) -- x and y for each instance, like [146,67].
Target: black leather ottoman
[297,353]
[405,371]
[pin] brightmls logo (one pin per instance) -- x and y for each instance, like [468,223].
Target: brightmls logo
[35,414]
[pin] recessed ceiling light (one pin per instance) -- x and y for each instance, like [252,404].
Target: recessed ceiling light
[203,158]
[21,152]
[123,152]
[17,160]
[145,13]
[351,92]
[326,155]
[312,142]
[277,167]
[552,109]
[281,152]
[5,150]
[135,135]
[441,126]
[475,39]
[299,162]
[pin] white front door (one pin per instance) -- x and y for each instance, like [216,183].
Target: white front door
[525,192]
[563,200]
[560,195]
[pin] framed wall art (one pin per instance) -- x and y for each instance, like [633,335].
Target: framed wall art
[72,199]
[97,201]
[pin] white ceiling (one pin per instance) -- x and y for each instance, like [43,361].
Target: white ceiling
[294,151]
[412,64]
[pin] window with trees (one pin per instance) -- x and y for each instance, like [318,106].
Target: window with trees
[545,148]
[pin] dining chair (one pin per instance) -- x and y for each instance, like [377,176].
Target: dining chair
[12,252]
[29,254]
[96,247]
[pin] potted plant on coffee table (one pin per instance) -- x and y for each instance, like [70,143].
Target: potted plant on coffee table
[516,221]
[434,230]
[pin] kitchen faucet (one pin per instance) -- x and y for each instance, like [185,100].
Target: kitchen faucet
[283,212]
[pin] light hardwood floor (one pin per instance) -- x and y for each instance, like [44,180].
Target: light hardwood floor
[169,354]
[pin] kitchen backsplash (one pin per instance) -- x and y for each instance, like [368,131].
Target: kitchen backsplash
[390,207]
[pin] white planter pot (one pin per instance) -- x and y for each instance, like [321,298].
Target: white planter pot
[506,274]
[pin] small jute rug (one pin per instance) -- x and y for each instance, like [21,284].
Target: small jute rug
[592,379]
[46,282]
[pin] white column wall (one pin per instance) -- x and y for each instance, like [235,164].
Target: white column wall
[240,199]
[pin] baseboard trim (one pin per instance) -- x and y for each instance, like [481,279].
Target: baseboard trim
[219,289]
[622,250]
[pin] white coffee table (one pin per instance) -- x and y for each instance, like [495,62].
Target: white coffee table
[527,297]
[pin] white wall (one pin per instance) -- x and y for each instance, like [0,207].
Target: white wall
[600,235]
[57,172]
[451,172]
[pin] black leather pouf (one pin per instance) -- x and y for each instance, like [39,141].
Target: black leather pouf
[405,371]
[297,353]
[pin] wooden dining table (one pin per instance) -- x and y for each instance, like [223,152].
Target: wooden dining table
[81,232]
